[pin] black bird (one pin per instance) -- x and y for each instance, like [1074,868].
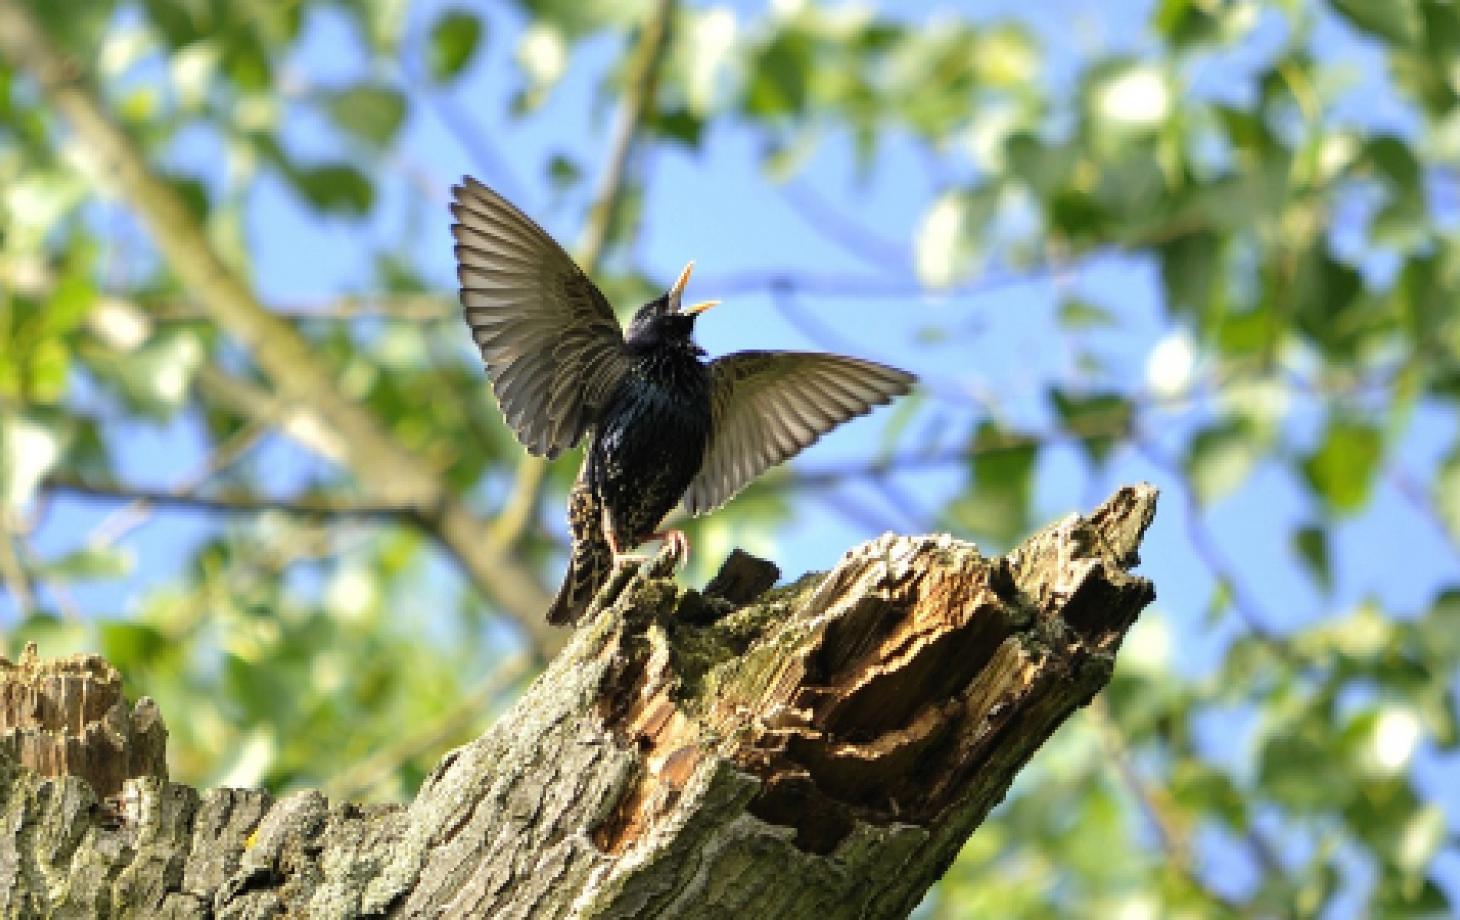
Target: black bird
[663,425]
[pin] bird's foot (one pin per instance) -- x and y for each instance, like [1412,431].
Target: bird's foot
[677,542]
[621,555]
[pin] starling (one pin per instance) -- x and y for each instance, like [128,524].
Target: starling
[663,425]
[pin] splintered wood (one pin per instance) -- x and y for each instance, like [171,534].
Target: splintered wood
[889,686]
[67,717]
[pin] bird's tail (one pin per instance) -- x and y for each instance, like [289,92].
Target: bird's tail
[591,560]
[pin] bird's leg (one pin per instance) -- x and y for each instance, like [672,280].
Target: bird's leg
[621,556]
[678,543]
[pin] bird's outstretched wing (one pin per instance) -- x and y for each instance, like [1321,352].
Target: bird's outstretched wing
[767,406]
[553,347]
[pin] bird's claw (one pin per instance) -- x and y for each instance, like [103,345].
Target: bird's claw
[677,544]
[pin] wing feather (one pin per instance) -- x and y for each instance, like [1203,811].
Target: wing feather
[552,346]
[768,406]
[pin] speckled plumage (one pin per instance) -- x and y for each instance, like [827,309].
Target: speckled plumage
[663,424]
[650,441]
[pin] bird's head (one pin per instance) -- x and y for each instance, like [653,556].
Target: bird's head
[665,320]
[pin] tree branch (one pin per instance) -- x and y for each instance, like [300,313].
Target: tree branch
[832,742]
[231,502]
[392,474]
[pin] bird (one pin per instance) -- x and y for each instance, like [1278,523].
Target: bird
[663,425]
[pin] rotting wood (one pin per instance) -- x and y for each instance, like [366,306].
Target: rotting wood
[67,717]
[821,750]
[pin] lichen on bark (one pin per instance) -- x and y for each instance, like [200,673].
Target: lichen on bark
[821,749]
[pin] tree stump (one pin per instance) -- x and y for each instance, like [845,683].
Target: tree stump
[821,750]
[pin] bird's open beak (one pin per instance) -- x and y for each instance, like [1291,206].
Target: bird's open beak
[677,291]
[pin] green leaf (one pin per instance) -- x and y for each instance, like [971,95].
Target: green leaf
[997,503]
[1077,313]
[1220,457]
[337,188]
[563,172]
[370,112]
[1301,766]
[1395,21]
[1186,22]
[1189,272]
[138,644]
[1446,492]
[1311,543]
[947,247]
[779,76]
[1127,99]
[1395,161]
[158,376]
[455,37]
[91,563]
[1201,789]
[679,124]
[31,444]
[1098,420]
[191,191]
[1342,469]
[1044,168]
[1439,629]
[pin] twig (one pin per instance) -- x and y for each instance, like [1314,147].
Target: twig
[1171,838]
[119,523]
[842,230]
[643,85]
[232,503]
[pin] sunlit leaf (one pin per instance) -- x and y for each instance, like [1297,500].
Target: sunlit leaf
[1220,458]
[946,249]
[1341,471]
[30,447]
[91,563]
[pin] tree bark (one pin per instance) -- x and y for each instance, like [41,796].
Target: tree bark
[822,749]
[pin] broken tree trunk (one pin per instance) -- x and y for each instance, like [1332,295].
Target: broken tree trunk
[819,750]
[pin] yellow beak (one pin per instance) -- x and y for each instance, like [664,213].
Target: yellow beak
[678,289]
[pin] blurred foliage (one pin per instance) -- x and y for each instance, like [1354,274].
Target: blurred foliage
[1306,256]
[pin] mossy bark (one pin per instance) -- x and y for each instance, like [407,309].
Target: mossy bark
[819,750]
